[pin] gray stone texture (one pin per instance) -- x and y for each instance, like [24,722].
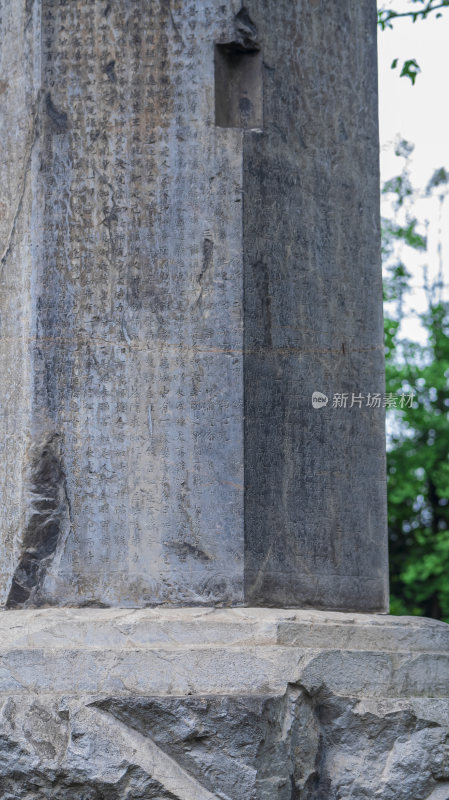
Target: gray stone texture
[173,290]
[315,511]
[18,119]
[189,248]
[236,704]
[130,486]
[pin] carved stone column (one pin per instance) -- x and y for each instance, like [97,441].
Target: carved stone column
[189,251]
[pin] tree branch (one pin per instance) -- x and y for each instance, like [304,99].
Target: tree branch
[385,17]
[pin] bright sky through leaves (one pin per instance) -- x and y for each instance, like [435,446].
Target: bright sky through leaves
[420,114]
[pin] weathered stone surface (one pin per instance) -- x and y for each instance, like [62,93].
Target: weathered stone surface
[315,510]
[173,290]
[18,131]
[136,321]
[177,704]
[189,234]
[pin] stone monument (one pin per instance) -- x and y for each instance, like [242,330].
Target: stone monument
[193,569]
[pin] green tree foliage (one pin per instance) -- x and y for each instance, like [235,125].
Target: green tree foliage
[417,10]
[418,440]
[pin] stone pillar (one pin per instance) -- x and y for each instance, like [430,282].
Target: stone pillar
[315,509]
[190,250]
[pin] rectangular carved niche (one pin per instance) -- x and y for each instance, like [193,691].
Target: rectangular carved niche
[238,87]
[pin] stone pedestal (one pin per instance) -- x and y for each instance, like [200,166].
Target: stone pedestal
[189,249]
[236,704]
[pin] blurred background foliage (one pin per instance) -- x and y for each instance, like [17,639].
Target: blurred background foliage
[416,11]
[417,435]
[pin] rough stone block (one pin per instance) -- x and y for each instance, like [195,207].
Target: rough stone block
[239,704]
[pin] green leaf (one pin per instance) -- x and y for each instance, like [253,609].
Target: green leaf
[410,69]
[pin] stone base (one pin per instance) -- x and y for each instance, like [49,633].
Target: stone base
[237,704]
